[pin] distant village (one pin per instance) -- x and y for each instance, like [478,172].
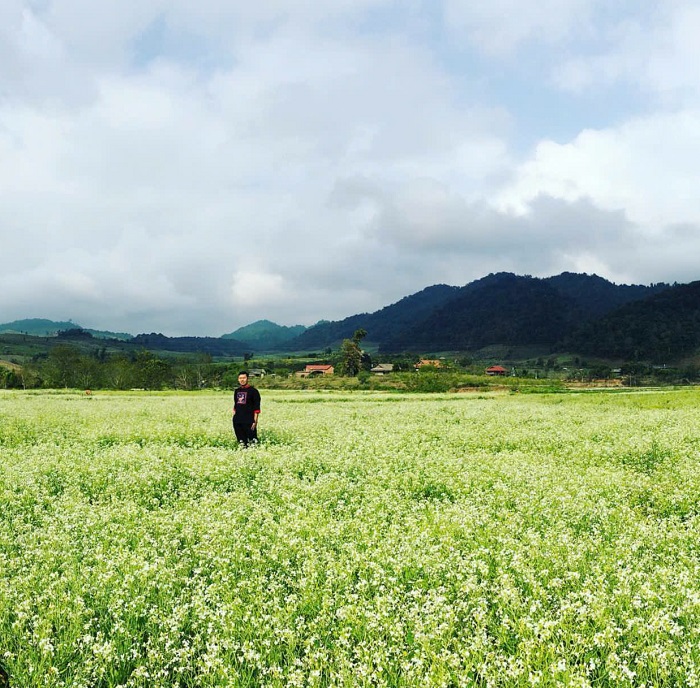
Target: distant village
[320,369]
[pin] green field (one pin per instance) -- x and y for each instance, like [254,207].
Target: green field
[371,539]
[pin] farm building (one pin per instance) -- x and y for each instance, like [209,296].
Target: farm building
[496,370]
[314,369]
[383,368]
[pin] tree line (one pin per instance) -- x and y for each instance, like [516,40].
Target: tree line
[66,366]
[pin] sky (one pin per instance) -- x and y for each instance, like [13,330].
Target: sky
[189,167]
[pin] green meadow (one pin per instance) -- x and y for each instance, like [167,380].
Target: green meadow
[370,539]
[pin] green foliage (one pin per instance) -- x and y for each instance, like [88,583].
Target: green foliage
[63,365]
[10,378]
[351,354]
[430,381]
[151,372]
[350,358]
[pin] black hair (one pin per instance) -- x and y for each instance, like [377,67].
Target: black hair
[244,372]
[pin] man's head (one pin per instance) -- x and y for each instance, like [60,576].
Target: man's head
[243,378]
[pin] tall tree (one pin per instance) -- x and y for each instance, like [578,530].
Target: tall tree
[351,354]
[62,366]
[152,371]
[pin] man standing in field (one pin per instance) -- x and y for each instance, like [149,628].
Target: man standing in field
[246,409]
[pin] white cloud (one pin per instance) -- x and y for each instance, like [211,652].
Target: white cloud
[189,167]
[654,50]
[674,64]
[647,167]
[253,289]
[502,26]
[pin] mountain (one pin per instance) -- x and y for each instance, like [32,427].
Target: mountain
[264,335]
[40,327]
[661,328]
[498,309]
[596,296]
[513,310]
[501,308]
[381,325]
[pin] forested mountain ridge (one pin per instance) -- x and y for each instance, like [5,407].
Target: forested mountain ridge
[661,328]
[514,310]
[501,308]
[382,324]
[597,296]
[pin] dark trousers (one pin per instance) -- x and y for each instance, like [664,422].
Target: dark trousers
[245,433]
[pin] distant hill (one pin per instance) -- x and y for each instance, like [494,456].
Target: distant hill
[105,334]
[214,346]
[381,325]
[265,335]
[661,328]
[36,327]
[40,327]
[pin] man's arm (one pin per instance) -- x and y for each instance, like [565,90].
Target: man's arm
[256,407]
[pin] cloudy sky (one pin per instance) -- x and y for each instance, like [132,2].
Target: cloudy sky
[190,166]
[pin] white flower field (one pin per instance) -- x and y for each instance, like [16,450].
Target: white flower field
[370,539]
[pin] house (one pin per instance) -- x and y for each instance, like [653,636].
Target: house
[383,368]
[315,369]
[257,372]
[496,370]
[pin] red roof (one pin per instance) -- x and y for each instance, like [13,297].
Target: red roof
[497,369]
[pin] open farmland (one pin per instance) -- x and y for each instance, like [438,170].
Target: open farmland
[372,539]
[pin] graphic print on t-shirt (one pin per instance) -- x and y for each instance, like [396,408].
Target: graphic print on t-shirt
[242,396]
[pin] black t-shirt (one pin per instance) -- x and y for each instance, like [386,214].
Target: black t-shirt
[246,401]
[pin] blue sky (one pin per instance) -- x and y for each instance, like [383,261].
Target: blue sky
[189,168]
